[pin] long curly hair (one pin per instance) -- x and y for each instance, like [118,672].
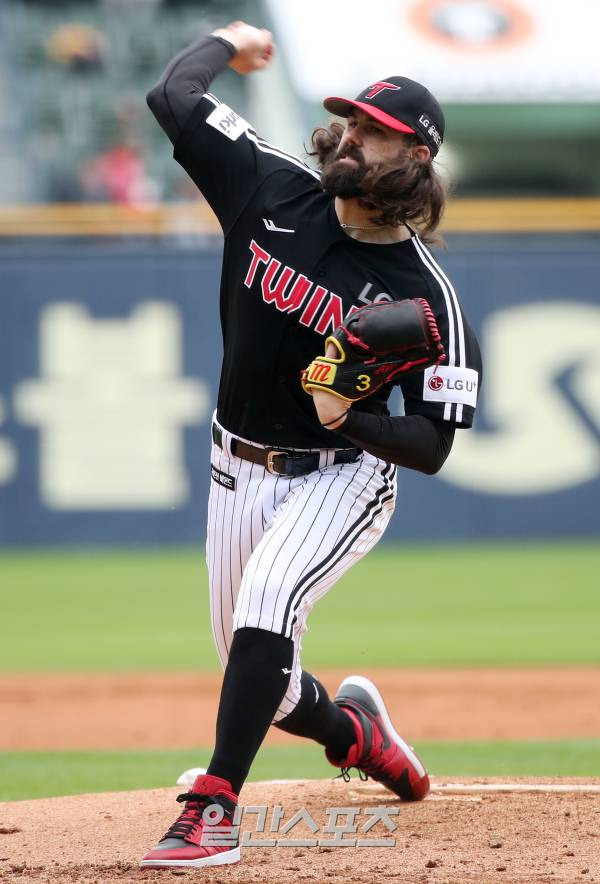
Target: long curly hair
[400,191]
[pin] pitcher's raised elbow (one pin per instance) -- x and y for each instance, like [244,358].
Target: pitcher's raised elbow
[155,100]
[436,465]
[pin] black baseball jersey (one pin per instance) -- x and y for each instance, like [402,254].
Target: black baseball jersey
[291,275]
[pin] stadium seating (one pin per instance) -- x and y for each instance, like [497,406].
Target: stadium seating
[77,75]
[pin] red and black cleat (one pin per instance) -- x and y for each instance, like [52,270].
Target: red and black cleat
[379,752]
[204,834]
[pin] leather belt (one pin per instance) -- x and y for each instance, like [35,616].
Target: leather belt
[280,462]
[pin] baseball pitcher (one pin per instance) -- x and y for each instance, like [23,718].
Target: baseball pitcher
[329,298]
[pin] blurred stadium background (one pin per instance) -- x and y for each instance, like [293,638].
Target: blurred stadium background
[109,330]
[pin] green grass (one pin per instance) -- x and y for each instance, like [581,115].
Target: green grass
[41,774]
[411,605]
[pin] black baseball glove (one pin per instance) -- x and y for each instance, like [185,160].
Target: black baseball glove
[377,344]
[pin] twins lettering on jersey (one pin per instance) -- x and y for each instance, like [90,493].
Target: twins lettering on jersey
[290,291]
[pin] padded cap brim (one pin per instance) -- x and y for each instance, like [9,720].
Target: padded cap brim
[342,107]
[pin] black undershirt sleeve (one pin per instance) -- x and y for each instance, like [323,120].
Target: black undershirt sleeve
[413,441]
[185,79]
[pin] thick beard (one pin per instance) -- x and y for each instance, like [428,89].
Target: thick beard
[339,179]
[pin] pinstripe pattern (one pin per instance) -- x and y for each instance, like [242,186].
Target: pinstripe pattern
[276,545]
[365,520]
[361,537]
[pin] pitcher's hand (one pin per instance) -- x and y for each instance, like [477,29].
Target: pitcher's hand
[254,46]
[329,406]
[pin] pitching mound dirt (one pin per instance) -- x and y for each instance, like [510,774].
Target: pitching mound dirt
[454,836]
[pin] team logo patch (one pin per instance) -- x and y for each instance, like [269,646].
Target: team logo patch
[376,88]
[450,383]
[227,122]
[223,479]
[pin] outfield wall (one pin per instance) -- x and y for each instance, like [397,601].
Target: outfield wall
[109,361]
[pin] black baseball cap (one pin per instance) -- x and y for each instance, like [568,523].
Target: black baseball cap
[401,104]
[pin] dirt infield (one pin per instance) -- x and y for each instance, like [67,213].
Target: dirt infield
[451,837]
[458,835]
[161,711]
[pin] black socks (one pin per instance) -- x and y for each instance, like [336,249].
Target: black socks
[317,718]
[254,685]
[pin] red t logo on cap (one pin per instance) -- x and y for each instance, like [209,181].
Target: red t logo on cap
[376,88]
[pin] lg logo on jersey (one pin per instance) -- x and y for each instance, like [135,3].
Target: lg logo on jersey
[376,299]
[436,383]
[450,383]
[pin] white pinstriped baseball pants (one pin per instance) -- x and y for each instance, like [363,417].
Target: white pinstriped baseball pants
[276,545]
